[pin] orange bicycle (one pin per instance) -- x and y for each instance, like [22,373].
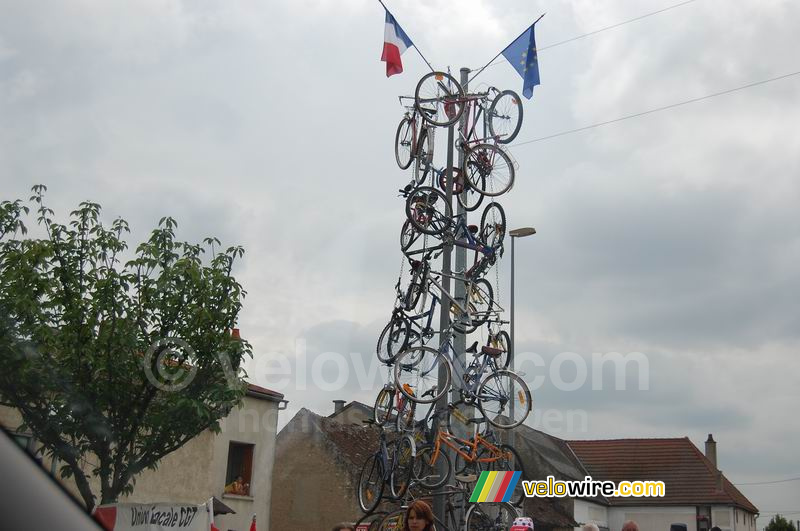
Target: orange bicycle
[481,452]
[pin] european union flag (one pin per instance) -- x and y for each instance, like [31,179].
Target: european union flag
[522,55]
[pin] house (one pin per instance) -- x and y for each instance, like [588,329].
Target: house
[353,413]
[203,467]
[696,492]
[318,462]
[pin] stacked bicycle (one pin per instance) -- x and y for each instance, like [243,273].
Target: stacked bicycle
[419,352]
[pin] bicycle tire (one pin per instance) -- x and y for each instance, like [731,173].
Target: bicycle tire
[458,181]
[382,410]
[514,464]
[489,170]
[439,99]
[505,116]
[393,521]
[374,520]
[482,300]
[488,516]
[460,327]
[404,143]
[370,484]
[471,198]
[408,236]
[493,225]
[393,339]
[403,458]
[425,473]
[418,368]
[428,210]
[497,392]
[406,409]
[501,341]
[423,157]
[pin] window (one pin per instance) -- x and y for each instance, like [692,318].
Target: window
[240,469]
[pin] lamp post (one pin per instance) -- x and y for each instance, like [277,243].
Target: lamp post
[515,233]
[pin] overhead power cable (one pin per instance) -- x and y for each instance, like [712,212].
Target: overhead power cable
[769,482]
[664,108]
[618,24]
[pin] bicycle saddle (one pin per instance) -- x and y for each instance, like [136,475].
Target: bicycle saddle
[473,349]
[473,229]
[491,351]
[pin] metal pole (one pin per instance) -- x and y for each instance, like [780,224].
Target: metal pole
[444,323]
[512,346]
[460,340]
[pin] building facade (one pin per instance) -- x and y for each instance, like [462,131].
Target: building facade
[203,467]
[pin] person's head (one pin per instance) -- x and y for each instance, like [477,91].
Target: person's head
[239,479]
[715,528]
[630,525]
[590,527]
[419,517]
[344,526]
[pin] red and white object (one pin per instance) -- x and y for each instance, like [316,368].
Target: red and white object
[395,42]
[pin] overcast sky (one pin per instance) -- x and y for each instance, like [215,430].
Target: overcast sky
[270,125]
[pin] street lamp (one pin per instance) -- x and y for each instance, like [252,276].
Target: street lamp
[515,233]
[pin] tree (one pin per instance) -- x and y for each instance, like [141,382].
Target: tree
[113,364]
[779,523]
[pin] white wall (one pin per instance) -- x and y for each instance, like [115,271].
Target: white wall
[256,422]
[586,512]
[652,518]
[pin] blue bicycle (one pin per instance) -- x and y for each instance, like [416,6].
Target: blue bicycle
[502,396]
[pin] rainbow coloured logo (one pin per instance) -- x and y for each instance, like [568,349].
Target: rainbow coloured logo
[495,487]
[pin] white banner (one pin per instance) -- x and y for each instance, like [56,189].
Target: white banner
[155,517]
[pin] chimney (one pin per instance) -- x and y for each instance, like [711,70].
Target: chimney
[338,406]
[235,334]
[719,481]
[711,450]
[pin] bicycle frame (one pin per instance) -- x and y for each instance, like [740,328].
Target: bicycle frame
[477,440]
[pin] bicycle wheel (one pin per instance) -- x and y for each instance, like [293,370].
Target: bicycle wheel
[505,116]
[471,199]
[408,236]
[427,472]
[458,181]
[511,462]
[416,374]
[382,409]
[504,399]
[490,517]
[393,521]
[428,210]
[404,143]
[501,341]
[393,339]
[493,225]
[402,466]
[373,520]
[423,157]
[467,471]
[439,99]
[457,319]
[370,483]
[481,298]
[488,170]
[404,421]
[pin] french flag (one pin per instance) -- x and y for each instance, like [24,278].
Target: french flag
[395,42]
